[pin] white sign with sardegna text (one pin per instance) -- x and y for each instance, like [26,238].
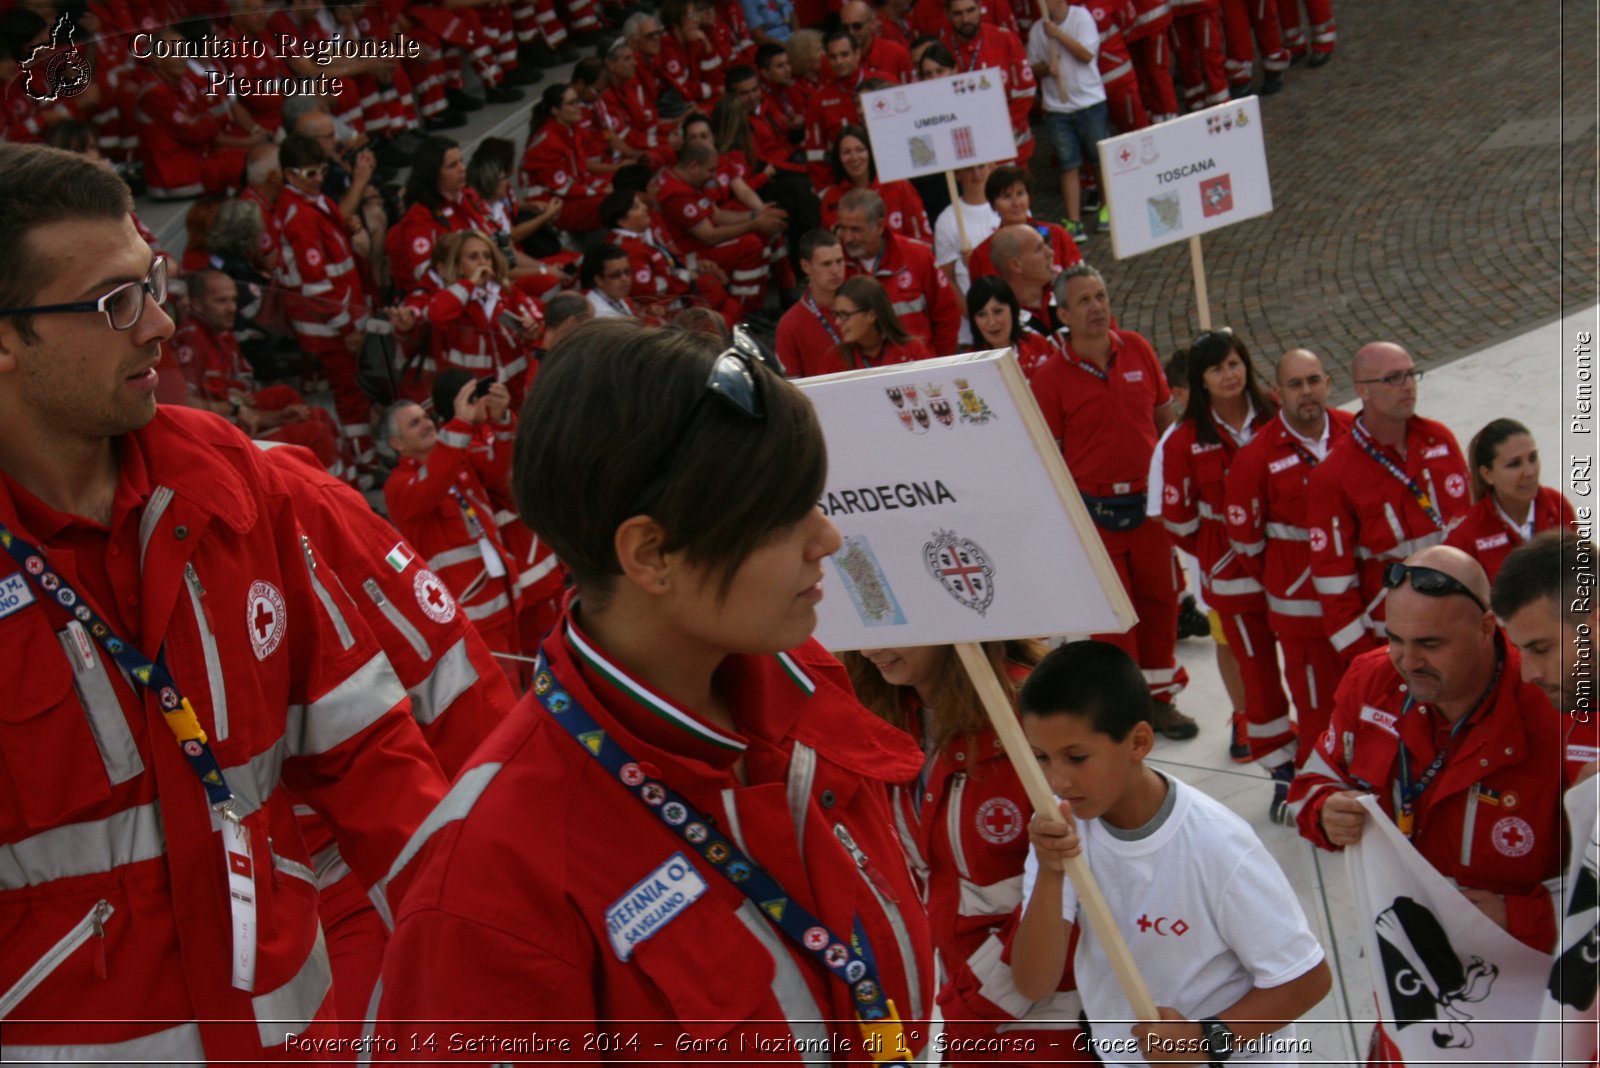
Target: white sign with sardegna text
[960,521]
[939,125]
[1187,176]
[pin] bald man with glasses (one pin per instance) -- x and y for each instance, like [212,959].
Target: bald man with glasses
[1461,753]
[1397,484]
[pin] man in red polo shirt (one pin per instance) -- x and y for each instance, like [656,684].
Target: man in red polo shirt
[920,292]
[808,334]
[1106,403]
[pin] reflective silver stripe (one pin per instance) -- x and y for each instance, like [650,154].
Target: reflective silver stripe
[1160,11]
[1234,587]
[1394,524]
[453,674]
[789,987]
[40,969]
[330,866]
[176,1044]
[1247,646]
[290,1009]
[118,751]
[1402,549]
[1122,70]
[160,498]
[994,978]
[911,307]
[316,289]
[349,708]
[208,651]
[397,619]
[891,912]
[193,189]
[1268,730]
[1206,511]
[1248,548]
[291,867]
[340,627]
[1333,585]
[1294,608]
[1058,1012]
[459,291]
[802,774]
[1297,583]
[1287,532]
[1469,825]
[253,781]
[958,853]
[475,361]
[343,267]
[515,367]
[1348,635]
[1182,529]
[328,329]
[455,439]
[908,841]
[996,899]
[486,609]
[454,806]
[459,555]
[91,848]
[536,572]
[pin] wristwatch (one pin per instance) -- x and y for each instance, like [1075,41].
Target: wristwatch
[1218,1038]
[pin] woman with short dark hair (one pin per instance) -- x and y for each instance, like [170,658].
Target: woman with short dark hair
[687,821]
[996,320]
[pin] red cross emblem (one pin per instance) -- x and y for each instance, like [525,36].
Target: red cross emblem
[434,600]
[265,618]
[1512,836]
[999,820]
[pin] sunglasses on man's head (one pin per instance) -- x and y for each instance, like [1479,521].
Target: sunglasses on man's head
[1428,581]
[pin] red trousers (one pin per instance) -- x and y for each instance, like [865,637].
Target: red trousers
[745,260]
[1124,106]
[1152,63]
[1266,709]
[1324,30]
[1313,670]
[1145,564]
[1197,38]
[1247,24]
[354,406]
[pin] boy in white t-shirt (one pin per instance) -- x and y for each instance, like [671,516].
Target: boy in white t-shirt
[1064,54]
[1212,923]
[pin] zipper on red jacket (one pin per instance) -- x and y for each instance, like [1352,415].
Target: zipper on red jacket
[208,650]
[91,926]
[891,911]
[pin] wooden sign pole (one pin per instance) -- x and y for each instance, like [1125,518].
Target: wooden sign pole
[1055,57]
[1091,902]
[961,219]
[1197,264]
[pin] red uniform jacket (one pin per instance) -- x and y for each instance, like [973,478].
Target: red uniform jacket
[114,899]
[1266,502]
[1484,534]
[1362,517]
[1105,424]
[1151,17]
[211,361]
[628,109]
[410,241]
[769,136]
[994,46]
[177,124]
[692,68]
[1063,250]
[1110,18]
[890,57]
[808,339]
[920,292]
[435,520]
[508,925]
[271,225]
[829,110]
[555,162]
[1033,351]
[1194,477]
[468,333]
[902,207]
[1492,818]
[323,292]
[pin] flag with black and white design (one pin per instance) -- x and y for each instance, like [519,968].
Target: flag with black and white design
[1452,986]
[1568,1034]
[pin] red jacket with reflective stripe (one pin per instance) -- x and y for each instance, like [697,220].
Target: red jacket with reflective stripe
[1492,818]
[1266,500]
[511,920]
[1361,517]
[1194,477]
[1000,47]
[324,295]
[410,241]
[1484,535]
[100,808]
[920,292]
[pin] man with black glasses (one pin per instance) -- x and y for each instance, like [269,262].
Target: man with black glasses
[181,671]
[1460,752]
[1395,485]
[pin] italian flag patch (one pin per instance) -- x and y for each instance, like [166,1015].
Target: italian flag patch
[399,557]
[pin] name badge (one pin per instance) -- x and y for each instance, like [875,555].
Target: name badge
[1384,721]
[652,903]
[1133,376]
[1280,466]
[1494,541]
[14,594]
[1582,753]
[1434,452]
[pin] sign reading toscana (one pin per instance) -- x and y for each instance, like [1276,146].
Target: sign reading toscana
[1185,177]
[959,519]
[939,125]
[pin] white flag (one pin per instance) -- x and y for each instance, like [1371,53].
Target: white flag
[1452,986]
[1568,1035]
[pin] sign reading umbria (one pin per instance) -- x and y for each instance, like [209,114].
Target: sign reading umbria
[939,125]
[960,521]
[1186,177]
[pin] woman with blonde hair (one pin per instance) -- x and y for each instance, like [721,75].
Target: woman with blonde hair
[963,823]
[481,323]
[870,333]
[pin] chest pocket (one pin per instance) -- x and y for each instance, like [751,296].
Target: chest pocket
[64,738]
[1210,476]
[709,966]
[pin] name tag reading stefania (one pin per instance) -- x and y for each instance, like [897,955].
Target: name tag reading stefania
[652,903]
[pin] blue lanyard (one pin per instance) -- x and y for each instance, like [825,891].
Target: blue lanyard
[811,304]
[151,674]
[1411,792]
[469,514]
[850,960]
[1364,439]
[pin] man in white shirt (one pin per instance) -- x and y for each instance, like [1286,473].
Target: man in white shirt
[1063,53]
[607,280]
[953,243]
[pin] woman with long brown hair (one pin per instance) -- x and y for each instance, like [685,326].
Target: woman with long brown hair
[870,333]
[963,824]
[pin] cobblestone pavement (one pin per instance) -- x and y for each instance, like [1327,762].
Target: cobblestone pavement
[1434,185]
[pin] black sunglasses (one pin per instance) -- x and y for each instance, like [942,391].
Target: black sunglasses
[1427,580]
[734,381]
